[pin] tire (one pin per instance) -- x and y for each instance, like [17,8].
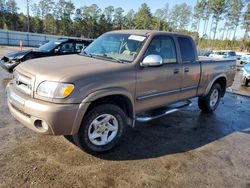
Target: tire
[247,82]
[69,138]
[244,81]
[210,102]
[101,129]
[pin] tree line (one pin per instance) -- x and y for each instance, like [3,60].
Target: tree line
[62,17]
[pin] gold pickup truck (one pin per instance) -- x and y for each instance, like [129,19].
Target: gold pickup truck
[122,77]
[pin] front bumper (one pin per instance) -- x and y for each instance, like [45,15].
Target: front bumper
[8,66]
[61,119]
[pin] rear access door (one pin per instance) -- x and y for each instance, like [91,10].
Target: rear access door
[191,68]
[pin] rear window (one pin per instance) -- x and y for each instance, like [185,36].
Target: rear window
[187,50]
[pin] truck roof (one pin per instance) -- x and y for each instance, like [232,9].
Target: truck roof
[146,32]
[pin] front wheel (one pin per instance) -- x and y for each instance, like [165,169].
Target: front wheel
[210,102]
[101,129]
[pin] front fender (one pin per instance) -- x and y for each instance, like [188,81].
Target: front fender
[107,92]
[97,95]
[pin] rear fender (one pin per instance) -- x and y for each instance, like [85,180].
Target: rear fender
[211,83]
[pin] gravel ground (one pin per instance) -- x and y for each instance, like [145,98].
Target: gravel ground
[185,149]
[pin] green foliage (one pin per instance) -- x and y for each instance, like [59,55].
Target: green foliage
[63,18]
[180,16]
[143,18]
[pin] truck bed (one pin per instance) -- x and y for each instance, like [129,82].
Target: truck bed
[212,67]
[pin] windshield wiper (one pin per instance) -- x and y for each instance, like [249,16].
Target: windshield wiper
[105,56]
[86,54]
[116,59]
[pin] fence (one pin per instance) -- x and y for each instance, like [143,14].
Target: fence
[13,38]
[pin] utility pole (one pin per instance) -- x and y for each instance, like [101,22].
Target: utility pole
[28,16]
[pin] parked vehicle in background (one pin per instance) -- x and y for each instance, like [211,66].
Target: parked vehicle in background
[243,60]
[122,77]
[52,48]
[224,54]
[245,79]
[204,53]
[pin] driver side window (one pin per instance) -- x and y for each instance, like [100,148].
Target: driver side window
[163,46]
[67,48]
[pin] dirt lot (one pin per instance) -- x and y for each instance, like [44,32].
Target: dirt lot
[185,149]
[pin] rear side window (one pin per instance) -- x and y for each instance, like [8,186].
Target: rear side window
[187,50]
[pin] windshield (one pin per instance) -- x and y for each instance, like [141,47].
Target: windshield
[122,47]
[49,46]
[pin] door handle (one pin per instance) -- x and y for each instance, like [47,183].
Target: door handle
[176,71]
[186,70]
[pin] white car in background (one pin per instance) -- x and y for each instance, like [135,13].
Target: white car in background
[224,54]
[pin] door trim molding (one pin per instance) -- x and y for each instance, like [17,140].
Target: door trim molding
[149,96]
[189,88]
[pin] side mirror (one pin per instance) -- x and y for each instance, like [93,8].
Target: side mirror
[152,61]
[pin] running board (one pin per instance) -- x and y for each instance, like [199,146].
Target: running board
[158,113]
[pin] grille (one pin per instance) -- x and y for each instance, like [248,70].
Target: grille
[22,83]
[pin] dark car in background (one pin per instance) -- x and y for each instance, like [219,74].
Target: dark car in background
[52,48]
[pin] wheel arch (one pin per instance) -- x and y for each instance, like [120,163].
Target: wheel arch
[118,96]
[220,79]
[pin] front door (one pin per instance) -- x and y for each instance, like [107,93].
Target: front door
[158,86]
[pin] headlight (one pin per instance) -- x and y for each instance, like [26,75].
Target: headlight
[55,89]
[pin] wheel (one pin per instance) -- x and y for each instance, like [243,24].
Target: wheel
[244,81]
[101,129]
[210,102]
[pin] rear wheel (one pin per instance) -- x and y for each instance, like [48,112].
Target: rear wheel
[210,102]
[101,129]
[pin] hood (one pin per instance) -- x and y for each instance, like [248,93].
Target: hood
[18,54]
[21,54]
[68,68]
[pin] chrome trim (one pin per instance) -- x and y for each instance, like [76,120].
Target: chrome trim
[146,118]
[152,60]
[189,88]
[22,83]
[157,94]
